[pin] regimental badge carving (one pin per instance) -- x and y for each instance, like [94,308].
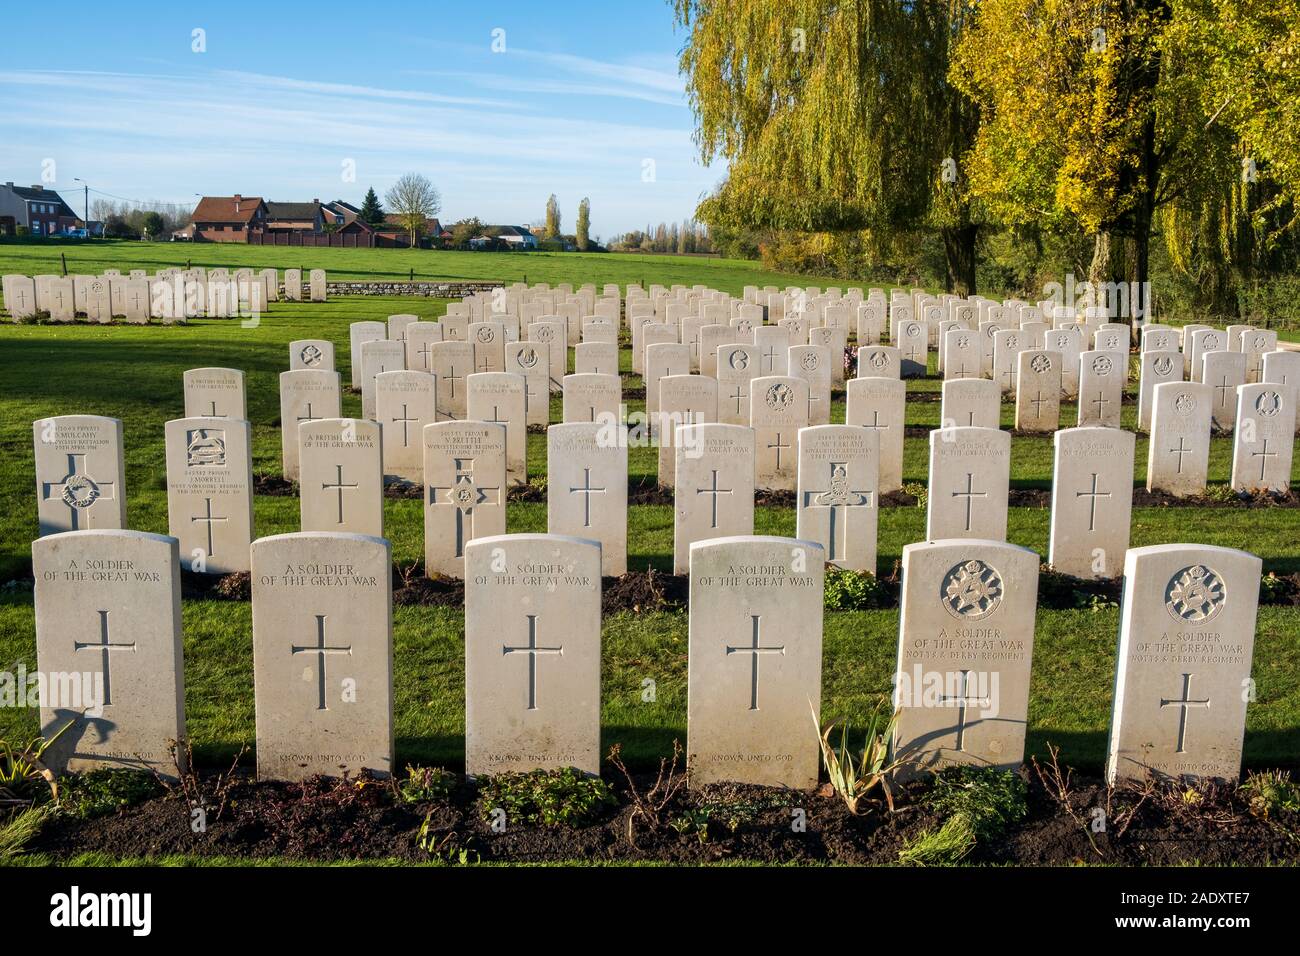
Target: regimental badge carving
[1040,364]
[739,360]
[465,494]
[1102,365]
[779,397]
[1260,343]
[79,491]
[1163,365]
[1013,342]
[971,591]
[1195,594]
[1210,343]
[205,446]
[810,362]
[963,342]
[486,335]
[527,358]
[1184,403]
[545,334]
[1268,404]
[912,329]
[878,360]
[311,356]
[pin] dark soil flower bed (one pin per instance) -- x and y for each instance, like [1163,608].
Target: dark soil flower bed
[325,819]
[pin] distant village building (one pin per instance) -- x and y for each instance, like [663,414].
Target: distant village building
[227,218]
[41,211]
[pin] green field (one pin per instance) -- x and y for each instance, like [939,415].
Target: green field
[728,275]
[134,373]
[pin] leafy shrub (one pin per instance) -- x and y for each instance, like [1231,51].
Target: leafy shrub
[426,785]
[549,797]
[98,793]
[847,590]
[1272,793]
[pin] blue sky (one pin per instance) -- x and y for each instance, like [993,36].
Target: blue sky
[582,99]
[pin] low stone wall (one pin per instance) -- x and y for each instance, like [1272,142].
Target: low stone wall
[430,288]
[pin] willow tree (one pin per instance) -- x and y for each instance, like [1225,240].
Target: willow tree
[834,115]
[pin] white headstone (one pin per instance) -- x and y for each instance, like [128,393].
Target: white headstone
[755,655]
[210,492]
[1187,635]
[713,493]
[80,476]
[532,654]
[1092,501]
[837,501]
[970,472]
[108,611]
[341,488]
[966,641]
[323,655]
[465,491]
[306,395]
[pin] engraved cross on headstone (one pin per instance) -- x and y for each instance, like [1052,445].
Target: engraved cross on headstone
[586,491]
[532,649]
[104,646]
[754,649]
[970,494]
[338,488]
[714,491]
[1092,496]
[962,699]
[1183,703]
[837,497]
[320,649]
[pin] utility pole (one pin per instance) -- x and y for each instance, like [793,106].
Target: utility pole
[86,186]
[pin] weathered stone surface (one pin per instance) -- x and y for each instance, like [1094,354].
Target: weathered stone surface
[837,502]
[342,483]
[971,402]
[210,492]
[323,655]
[500,397]
[405,401]
[532,654]
[1264,441]
[755,652]
[1038,390]
[464,491]
[1092,501]
[306,395]
[1187,635]
[970,472]
[586,488]
[778,408]
[80,475]
[714,486]
[880,404]
[1179,451]
[108,640]
[214,393]
[966,642]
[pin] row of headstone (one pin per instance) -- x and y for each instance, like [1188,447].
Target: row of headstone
[108,631]
[837,471]
[171,295]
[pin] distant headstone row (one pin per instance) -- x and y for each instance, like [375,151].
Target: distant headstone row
[170,295]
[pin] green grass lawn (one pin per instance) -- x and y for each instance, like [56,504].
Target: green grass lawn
[729,275]
[134,373]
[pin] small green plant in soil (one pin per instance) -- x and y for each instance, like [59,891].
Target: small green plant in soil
[444,845]
[426,785]
[847,590]
[24,778]
[855,780]
[547,797]
[980,803]
[1271,793]
[98,793]
[694,821]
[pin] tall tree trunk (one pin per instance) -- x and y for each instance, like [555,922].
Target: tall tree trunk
[959,258]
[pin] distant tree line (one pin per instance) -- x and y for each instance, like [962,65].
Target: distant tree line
[686,238]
